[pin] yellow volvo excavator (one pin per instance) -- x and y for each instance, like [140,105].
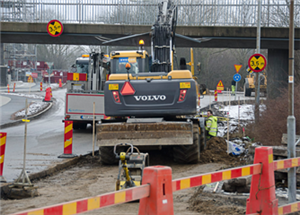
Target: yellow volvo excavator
[151,105]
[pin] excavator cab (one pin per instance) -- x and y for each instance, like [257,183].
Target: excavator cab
[139,61]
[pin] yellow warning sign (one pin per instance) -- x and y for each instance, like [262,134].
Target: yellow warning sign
[237,67]
[30,79]
[220,86]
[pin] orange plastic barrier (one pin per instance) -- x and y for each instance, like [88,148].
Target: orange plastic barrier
[262,192]
[60,84]
[160,200]
[47,96]
[2,153]
[51,92]
[68,140]
[89,204]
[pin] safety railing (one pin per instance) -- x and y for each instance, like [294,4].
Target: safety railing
[128,12]
[92,203]
[156,193]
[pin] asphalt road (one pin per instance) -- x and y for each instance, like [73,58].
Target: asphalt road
[45,136]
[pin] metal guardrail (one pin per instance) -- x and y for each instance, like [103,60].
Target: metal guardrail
[275,13]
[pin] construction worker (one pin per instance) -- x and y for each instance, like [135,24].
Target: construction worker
[211,126]
[233,87]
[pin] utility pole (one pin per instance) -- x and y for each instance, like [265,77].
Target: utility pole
[257,78]
[291,120]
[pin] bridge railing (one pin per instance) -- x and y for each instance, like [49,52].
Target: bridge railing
[128,12]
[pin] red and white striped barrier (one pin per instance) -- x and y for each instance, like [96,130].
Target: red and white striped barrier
[92,203]
[156,193]
[68,140]
[2,153]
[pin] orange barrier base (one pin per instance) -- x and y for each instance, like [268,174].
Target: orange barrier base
[160,200]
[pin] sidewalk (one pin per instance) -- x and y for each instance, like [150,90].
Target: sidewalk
[19,84]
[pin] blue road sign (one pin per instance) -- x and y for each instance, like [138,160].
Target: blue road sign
[237,77]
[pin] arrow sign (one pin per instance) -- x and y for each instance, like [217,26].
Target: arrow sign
[237,67]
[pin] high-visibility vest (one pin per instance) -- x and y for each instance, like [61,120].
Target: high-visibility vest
[212,126]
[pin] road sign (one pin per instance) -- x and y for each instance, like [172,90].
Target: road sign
[257,62]
[30,79]
[237,67]
[220,86]
[55,28]
[237,77]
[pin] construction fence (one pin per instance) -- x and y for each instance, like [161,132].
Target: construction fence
[156,192]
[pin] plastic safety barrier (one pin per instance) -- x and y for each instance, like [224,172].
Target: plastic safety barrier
[89,204]
[156,193]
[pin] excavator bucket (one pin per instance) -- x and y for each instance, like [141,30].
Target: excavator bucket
[145,134]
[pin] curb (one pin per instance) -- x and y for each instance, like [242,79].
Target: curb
[30,117]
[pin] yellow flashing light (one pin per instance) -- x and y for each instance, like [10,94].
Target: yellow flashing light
[85,55]
[141,42]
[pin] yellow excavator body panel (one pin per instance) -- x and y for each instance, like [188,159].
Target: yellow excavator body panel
[175,74]
[118,54]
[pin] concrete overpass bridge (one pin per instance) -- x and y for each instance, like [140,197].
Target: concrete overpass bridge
[96,34]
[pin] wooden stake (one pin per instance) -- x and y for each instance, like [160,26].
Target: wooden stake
[210,102]
[239,114]
[228,128]
[93,154]
[216,187]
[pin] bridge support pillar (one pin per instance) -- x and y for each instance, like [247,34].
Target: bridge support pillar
[1,54]
[277,71]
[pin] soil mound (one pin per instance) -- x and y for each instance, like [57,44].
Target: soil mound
[208,203]
[215,152]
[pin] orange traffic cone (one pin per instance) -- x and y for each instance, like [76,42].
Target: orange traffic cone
[48,95]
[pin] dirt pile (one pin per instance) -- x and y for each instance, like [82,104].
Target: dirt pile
[215,152]
[209,203]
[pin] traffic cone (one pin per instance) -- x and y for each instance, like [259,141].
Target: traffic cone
[8,88]
[48,95]
[60,84]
